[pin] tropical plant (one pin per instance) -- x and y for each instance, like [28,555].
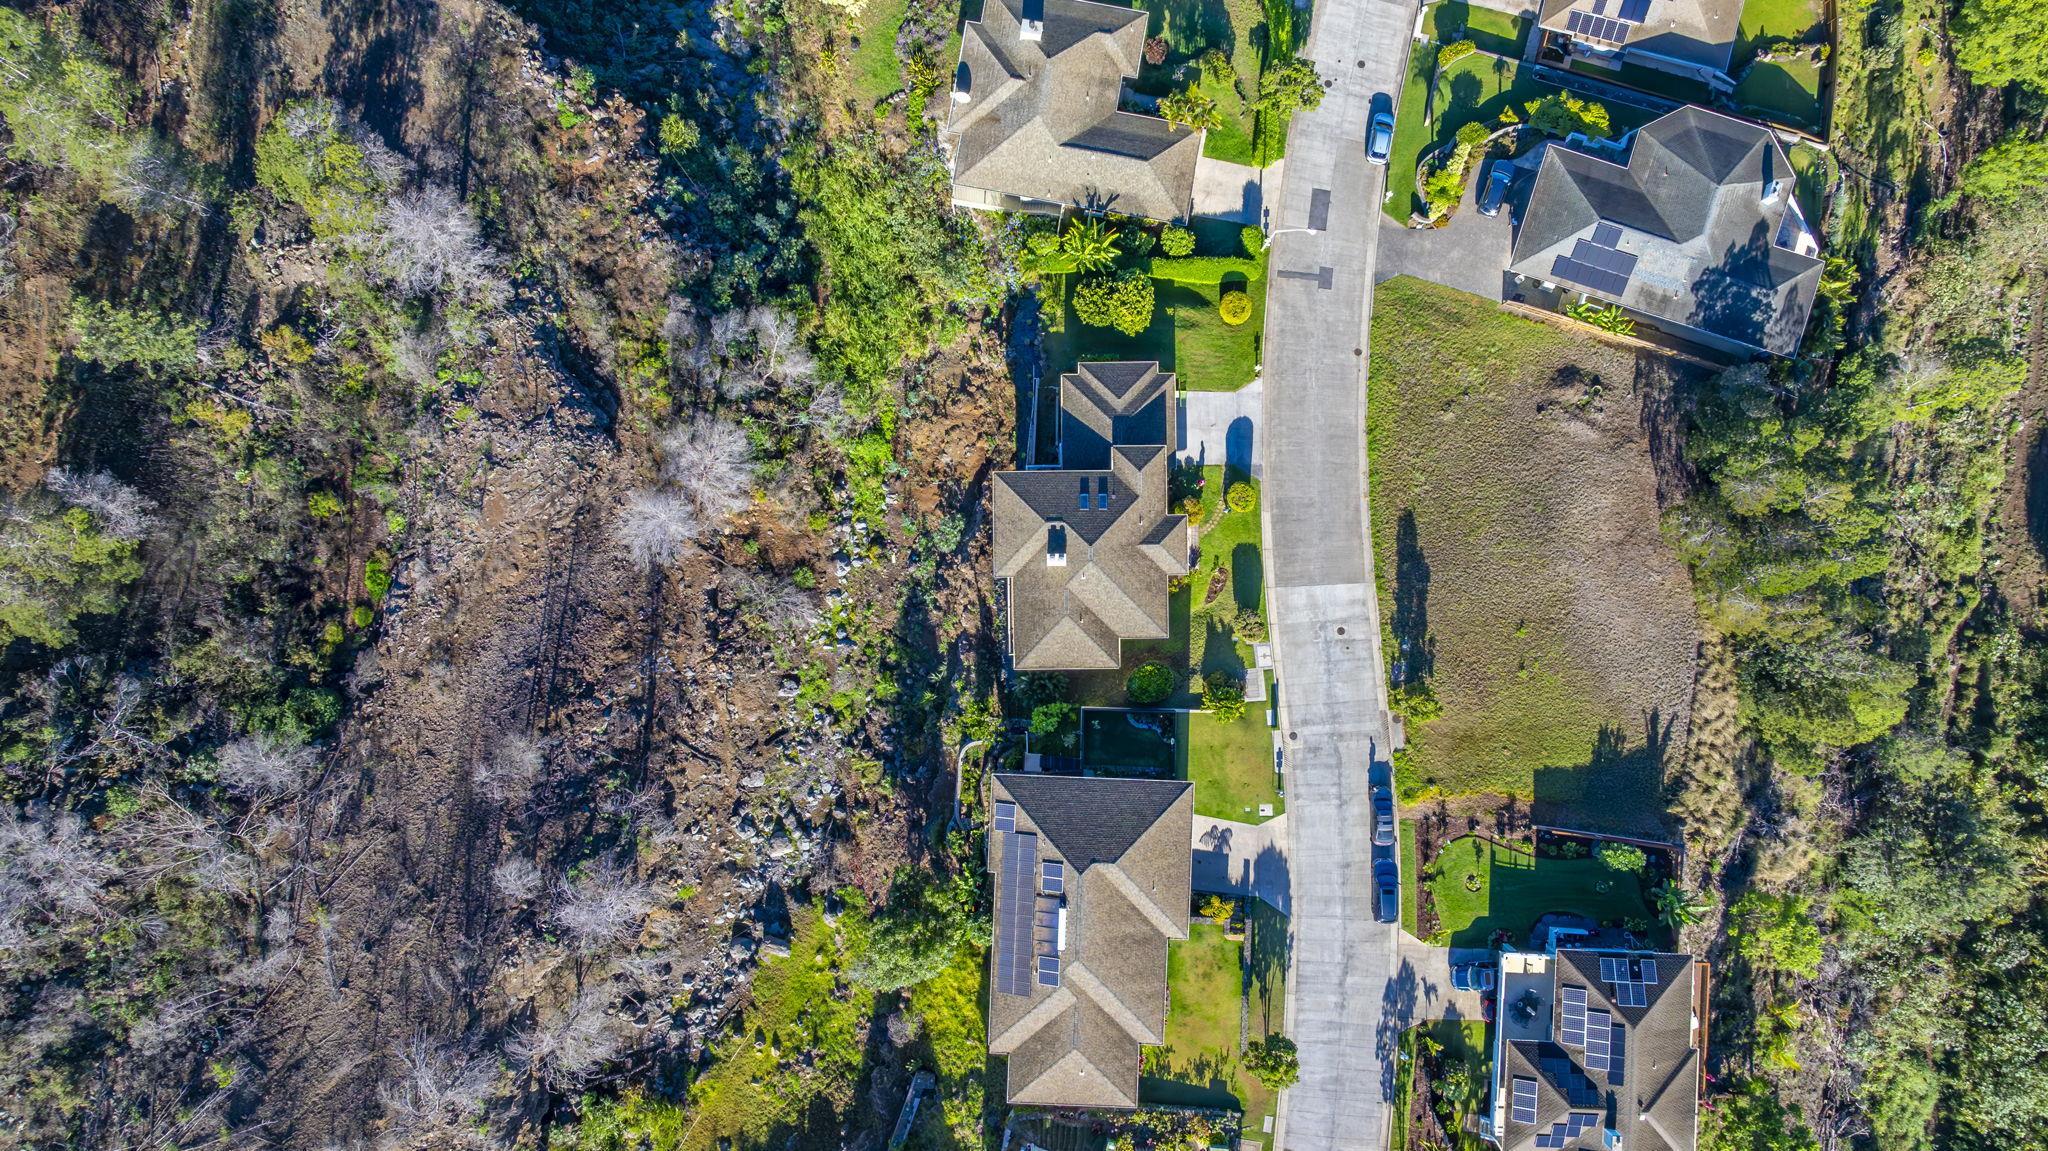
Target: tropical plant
[1190,108]
[1177,241]
[1089,245]
[1215,66]
[1217,909]
[1604,317]
[1776,933]
[1235,308]
[1155,50]
[1151,683]
[1223,697]
[1622,857]
[1677,907]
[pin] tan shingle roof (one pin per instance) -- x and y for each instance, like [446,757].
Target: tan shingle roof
[1125,846]
[1040,118]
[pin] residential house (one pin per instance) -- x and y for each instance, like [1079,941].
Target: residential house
[1092,883]
[1598,1049]
[1083,552]
[1691,225]
[1690,38]
[1037,122]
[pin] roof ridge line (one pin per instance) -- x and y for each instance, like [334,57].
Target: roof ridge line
[1106,1000]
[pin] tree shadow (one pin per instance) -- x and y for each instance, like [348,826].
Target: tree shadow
[1238,445]
[1600,794]
[1271,940]
[1416,650]
[1247,577]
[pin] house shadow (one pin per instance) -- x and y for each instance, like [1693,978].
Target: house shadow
[1595,795]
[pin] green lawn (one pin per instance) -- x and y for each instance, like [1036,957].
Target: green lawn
[1489,31]
[1208,983]
[1523,571]
[875,71]
[1787,90]
[1119,742]
[1766,20]
[1231,765]
[1461,1040]
[1187,334]
[1238,27]
[1516,889]
[1815,173]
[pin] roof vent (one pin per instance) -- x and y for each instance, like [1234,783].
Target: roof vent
[963,83]
[1056,545]
[1031,21]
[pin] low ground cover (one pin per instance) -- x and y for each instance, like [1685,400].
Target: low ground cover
[1481,887]
[1458,1060]
[873,67]
[1524,578]
[1786,90]
[1221,992]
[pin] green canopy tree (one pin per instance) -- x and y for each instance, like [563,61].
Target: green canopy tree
[1999,42]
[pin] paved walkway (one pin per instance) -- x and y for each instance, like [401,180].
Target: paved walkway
[1319,575]
[1243,858]
[1223,427]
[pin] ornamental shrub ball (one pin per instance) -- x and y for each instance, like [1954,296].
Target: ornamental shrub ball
[1122,301]
[1150,684]
[1223,696]
[1155,50]
[1621,856]
[1252,240]
[1250,625]
[1177,241]
[1241,496]
[1235,307]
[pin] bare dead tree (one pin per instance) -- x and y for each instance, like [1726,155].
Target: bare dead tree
[54,861]
[655,527]
[602,907]
[781,607]
[264,765]
[166,838]
[122,511]
[516,880]
[440,1085]
[511,769]
[710,462]
[563,1049]
[429,243]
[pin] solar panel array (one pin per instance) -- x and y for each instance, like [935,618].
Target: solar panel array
[1016,896]
[1562,1072]
[1574,1017]
[1606,235]
[1052,877]
[1006,816]
[1599,269]
[1630,995]
[1572,1126]
[1615,1062]
[1635,11]
[1630,977]
[1522,1104]
[1049,970]
[1599,1039]
[1593,27]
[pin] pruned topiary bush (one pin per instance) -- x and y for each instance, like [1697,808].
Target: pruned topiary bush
[1151,683]
[1235,308]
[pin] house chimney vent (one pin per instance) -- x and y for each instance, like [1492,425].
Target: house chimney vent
[1056,545]
[1031,21]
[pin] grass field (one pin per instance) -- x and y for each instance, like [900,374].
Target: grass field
[1522,571]
[1765,20]
[1461,1040]
[1489,31]
[1199,1064]
[1231,765]
[874,69]
[1787,90]
[1516,889]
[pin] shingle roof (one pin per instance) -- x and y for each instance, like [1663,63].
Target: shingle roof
[1705,207]
[1699,32]
[1124,843]
[1087,549]
[1651,1100]
[1040,118]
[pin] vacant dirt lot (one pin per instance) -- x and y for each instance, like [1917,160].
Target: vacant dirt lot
[1515,520]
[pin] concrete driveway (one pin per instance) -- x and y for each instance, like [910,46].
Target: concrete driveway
[1470,253]
[1243,859]
[1223,427]
[1236,192]
[1425,973]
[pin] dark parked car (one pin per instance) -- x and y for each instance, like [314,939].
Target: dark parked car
[1472,977]
[1496,188]
[1379,141]
[1383,816]
[1386,878]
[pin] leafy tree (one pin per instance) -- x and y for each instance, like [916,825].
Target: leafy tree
[1998,42]
[1122,301]
[1223,697]
[1216,66]
[1288,86]
[1151,683]
[1234,308]
[1776,933]
[1190,108]
[1622,857]
[1273,1061]
[914,935]
[1750,1118]
[1089,245]
[2006,172]
[1177,241]
[1561,114]
[121,337]
[1050,720]
[59,561]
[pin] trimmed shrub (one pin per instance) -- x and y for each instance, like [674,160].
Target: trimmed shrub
[1235,308]
[1207,269]
[1241,496]
[1151,683]
[1250,625]
[1177,241]
[1622,856]
[1450,54]
[1122,301]
[1223,696]
[1155,50]
[1252,240]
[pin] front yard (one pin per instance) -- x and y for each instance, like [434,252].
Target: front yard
[1222,993]
[1253,34]
[1480,887]
[1456,1062]
[1187,334]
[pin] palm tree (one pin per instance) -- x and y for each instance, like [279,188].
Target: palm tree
[1678,907]
[1089,245]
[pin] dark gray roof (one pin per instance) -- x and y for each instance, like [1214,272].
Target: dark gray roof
[1707,218]
[1652,1099]
[1701,33]
[1039,118]
[1086,573]
[1124,844]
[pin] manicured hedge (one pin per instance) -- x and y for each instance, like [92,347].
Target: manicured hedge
[1204,269]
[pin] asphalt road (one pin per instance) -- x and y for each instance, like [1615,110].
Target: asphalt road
[1319,576]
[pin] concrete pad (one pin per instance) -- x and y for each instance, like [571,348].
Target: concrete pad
[1247,859]
[1223,428]
[1235,192]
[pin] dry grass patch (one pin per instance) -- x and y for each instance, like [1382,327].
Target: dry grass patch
[1522,572]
